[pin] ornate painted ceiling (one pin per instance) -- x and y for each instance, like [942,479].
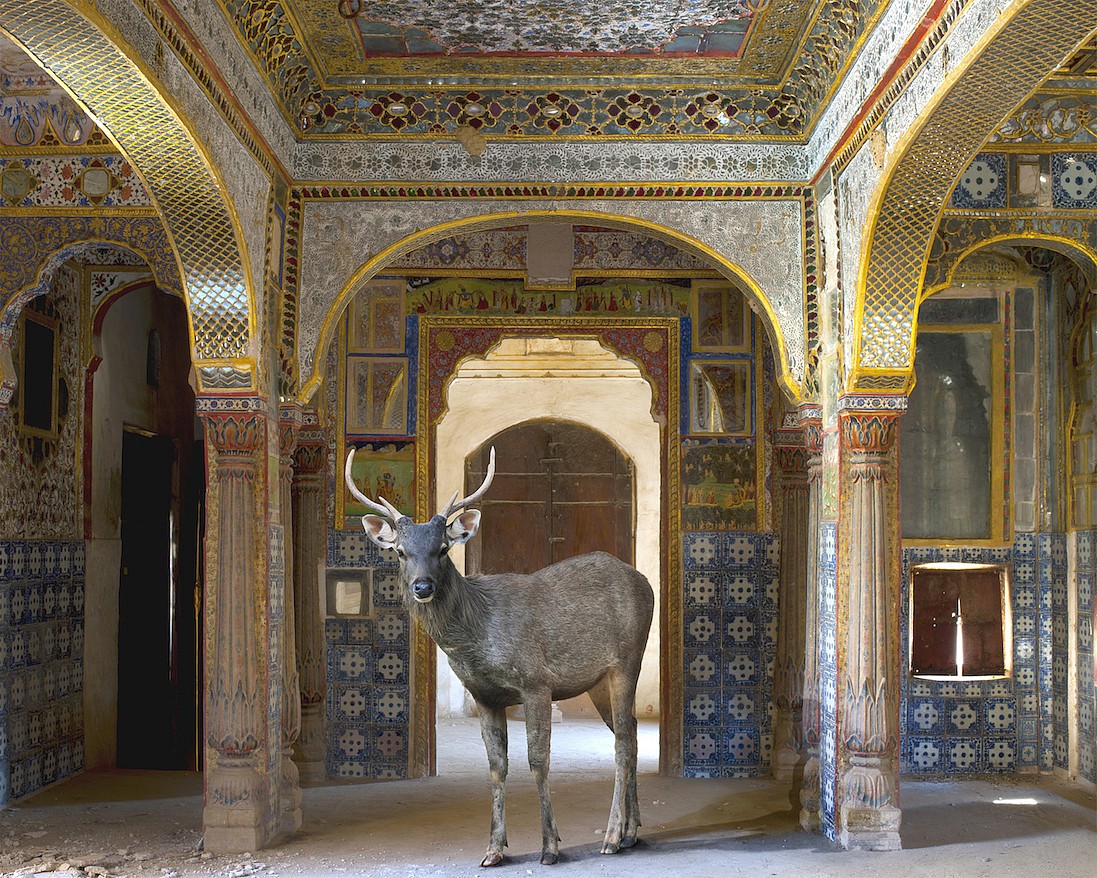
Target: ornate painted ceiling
[552,68]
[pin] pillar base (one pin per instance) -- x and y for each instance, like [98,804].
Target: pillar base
[809,794]
[870,829]
[290,793]
[236,818]
[788,765]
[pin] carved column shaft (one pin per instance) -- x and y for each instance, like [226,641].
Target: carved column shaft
[809,783]
[291,692]
[310,549]
[867,781]
[788,679]
[240,794]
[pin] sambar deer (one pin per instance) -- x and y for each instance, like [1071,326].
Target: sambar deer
[577,626]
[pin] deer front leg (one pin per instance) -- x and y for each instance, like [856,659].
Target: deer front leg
[538,735]
[493,729]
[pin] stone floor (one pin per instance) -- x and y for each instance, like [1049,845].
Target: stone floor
[146,824]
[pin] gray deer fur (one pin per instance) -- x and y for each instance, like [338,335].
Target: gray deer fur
[580,625]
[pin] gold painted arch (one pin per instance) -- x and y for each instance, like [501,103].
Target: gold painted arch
[789,383]
[1026,42]
[86,54]
[1084,256]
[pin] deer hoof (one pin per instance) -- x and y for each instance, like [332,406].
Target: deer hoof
[491,858]
[610,848]
[628,841]
[549,858]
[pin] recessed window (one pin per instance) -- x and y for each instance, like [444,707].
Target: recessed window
[38,378]
[348,593]
[959,621]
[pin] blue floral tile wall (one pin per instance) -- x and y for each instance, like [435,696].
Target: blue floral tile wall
[1005,725]
[1086,554]
[368,704]
[729,637]
[1074,180]
[41,664]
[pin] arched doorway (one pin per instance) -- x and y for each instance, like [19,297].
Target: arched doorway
[590,389]
[145,492]
[561,489]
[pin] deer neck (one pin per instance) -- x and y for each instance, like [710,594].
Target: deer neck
[457,614]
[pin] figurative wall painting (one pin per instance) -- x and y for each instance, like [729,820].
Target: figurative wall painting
[719,488]
[376,319]
[376,396]
[721,321]
[380,470]
[720,398]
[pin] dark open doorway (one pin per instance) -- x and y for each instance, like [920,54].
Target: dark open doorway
[157,635]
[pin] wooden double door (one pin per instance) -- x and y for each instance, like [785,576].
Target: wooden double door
[560,490]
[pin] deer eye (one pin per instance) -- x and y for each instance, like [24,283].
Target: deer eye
[442,551]
[400,552]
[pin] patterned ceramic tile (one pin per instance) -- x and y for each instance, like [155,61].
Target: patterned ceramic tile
[1074,180]
[983,183]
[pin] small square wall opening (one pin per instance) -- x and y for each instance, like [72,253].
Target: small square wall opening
[348,593]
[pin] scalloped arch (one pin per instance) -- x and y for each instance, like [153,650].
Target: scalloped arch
[790,383]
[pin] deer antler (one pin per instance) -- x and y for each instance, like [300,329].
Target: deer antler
[387,509]
[455,504]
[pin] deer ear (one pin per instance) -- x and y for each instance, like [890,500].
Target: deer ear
[463,527]
[380,531]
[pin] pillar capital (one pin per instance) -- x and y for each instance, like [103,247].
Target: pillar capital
[869,424]
[235,425]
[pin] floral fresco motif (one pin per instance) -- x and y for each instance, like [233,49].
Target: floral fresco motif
[551,26]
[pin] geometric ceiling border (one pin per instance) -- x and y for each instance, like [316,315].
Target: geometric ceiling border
[757,242]
[1007,63]
[430,109]
[74,47]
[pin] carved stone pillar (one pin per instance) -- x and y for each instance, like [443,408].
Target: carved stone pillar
[811,420]
[867,769]
[310,550]
[788,676]
[241,797]
[288,425]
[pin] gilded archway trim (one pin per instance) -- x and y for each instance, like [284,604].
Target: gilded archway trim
[32,249]
[375,265]
[1011,59]
[93,62]
[975,233]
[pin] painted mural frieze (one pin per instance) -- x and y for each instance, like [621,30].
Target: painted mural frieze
[596,250]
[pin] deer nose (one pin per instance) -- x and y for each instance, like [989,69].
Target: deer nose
[423,590]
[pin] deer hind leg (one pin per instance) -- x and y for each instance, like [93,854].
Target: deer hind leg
[538,709]
[624,813]
[493,729]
